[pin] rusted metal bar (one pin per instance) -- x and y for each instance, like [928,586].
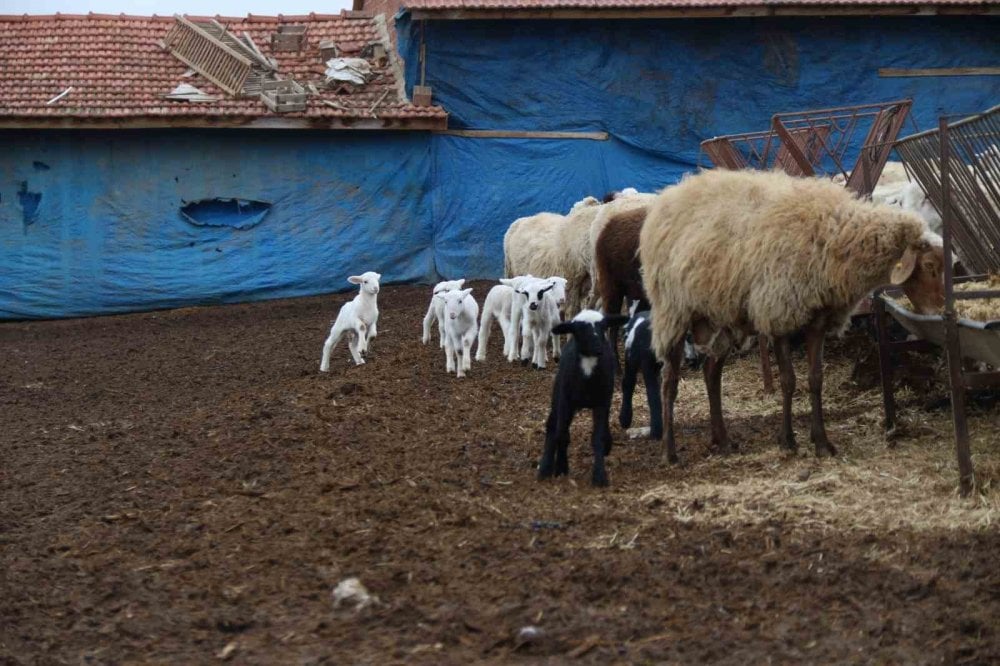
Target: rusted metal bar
[965,472]
[885,364]
[982,380]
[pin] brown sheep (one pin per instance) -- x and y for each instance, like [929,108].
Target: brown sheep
[616,262]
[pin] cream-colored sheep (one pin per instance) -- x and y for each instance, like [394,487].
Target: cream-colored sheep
[730,253]
[531,246]
[574,240]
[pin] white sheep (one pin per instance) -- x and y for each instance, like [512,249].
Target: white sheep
[358,319]
[519,302]
[460,314]
[499,305]
[539,314]
[436,309]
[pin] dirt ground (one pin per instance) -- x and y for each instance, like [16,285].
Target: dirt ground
[186,487]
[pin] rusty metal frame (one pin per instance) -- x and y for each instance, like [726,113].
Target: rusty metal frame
[958,166]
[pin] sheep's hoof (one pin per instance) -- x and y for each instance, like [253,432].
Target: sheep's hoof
[825,448]
[625,420]
[524,362]
[788,443]
[599,479]
[544,473]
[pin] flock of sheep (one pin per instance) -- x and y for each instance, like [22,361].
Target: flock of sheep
[718,258]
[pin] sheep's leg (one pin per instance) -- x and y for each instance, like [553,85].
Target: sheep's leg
[527,337]
[505,329]
[601,444]
[540,345]
[449,355]
[556,438]
[815,337]
[713,384]
[361,337]
[672,372]
[331,342]
[514,327]
[428,320]
[440,318]
[613,306]
[467,351]
[629,376]
[783,354]
[651,378]
[562,439]
[355,343]
[556,346]
[485,324]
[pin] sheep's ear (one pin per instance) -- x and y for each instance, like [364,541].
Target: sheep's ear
[355,279]
[505,281]
[563,328]
[378,276]
[903,269]
[459,283]
[466,292]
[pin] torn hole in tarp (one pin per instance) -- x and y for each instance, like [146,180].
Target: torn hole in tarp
[219,212]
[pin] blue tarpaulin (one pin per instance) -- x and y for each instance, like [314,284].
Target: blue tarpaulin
[111,221]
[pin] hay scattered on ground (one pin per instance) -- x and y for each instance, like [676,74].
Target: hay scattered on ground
[870,486]
[980,309]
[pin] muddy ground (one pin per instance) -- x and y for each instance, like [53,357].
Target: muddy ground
[186,487]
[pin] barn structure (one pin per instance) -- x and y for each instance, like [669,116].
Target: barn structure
[116,197]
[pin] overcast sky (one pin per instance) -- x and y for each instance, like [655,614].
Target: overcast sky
[197,7]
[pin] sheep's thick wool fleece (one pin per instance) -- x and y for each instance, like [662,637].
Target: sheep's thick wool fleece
[531,245]
[764,251]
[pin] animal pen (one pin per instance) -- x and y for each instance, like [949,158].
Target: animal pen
[816,142]
[958,166]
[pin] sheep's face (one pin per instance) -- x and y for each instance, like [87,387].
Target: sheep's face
[588,328]
[558,289]
[920,272]
[535,291]
[368,281]
[454,302]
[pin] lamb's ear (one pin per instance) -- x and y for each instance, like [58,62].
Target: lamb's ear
[506,281]
[466,292]
[378,276]
[355,279]
[459,283]
[903,269]
[563,328]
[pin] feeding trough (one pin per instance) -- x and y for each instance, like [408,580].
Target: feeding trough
[958,166]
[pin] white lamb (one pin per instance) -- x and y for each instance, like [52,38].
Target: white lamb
[518,305]
[357,319]
[498,305]
[460,314]
[436,309]
[539,314]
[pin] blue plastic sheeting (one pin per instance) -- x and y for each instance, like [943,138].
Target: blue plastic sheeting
[482,185]
[663,86]
[101,229]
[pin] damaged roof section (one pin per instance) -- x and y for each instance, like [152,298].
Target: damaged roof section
[267,72]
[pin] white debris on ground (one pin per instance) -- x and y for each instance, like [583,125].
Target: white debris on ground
[353,591]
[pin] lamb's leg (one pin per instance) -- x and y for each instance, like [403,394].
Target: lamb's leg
[556,431]
[515,328]
[629,376]
[562,450]
[601,445]
[540,345]
[355,343]
[815,337]
[713,384]
[505,329]
[428,320]
[449,355]
[651,378]
[331,342]
[467,352]
[485,324]
[460,357]
[361,337]
[786,372]
[671,374]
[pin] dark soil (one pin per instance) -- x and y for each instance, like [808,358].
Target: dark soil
[186,487]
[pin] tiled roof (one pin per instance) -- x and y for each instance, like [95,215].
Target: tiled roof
[119,75]
[432,5]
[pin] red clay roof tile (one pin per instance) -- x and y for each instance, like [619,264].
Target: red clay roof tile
[118,70]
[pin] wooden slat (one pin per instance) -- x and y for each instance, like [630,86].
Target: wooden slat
[889,72]
[518,134]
